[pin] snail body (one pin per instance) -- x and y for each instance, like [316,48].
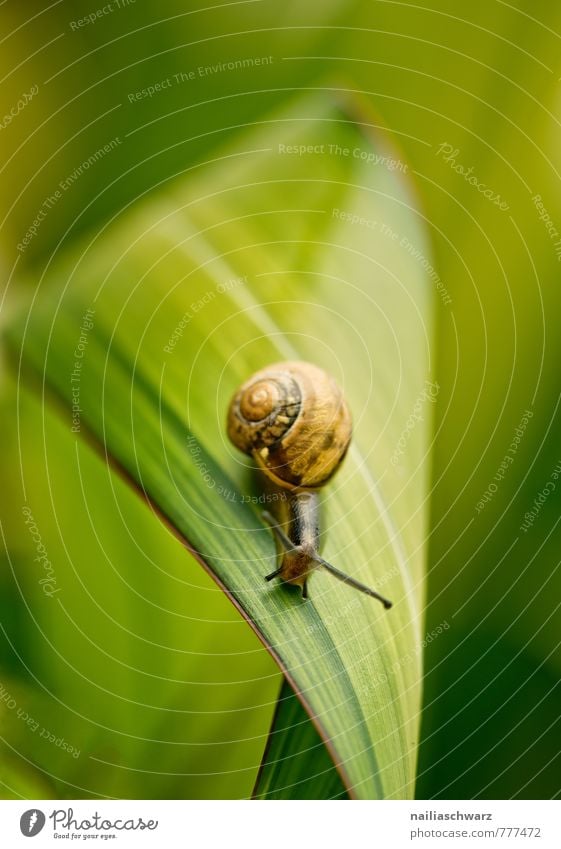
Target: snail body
[292,418]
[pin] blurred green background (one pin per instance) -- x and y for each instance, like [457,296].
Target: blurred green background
[482,80]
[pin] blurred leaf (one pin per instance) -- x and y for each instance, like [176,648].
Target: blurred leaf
[510,752]
[20,781]
[249,262]
[484,80]
[121,104]
[137,662]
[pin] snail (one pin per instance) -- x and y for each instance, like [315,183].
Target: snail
[293,420]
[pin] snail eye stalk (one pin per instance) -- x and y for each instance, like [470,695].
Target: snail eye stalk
[288,546]
[352,582]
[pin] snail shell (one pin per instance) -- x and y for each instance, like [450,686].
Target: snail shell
[293,419]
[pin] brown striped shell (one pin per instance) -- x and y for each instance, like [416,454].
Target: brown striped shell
[292,418]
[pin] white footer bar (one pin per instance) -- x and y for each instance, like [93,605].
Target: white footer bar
[276,825]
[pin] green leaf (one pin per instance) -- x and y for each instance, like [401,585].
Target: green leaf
[164,312]
[296,764]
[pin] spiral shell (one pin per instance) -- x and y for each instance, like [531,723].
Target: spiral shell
[292,418]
